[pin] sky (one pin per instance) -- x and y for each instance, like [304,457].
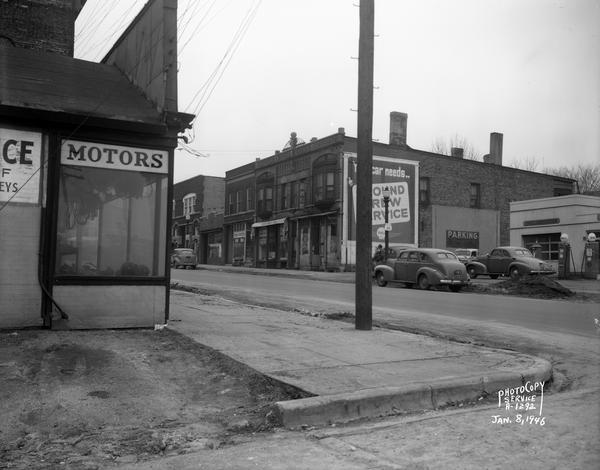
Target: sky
[253,71]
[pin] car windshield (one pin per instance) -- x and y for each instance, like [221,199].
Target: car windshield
[184,252]
[461,252]
[445,255]
[523,252]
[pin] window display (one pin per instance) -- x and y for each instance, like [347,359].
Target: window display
[109,222]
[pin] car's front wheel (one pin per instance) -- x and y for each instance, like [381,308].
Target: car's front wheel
[381,282]
[423,282]
[472,272]
[515,275]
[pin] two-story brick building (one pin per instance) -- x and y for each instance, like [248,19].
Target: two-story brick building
[198,217]
[293,209]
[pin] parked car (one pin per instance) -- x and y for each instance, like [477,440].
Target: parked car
[424,267]
[466,254]
[183,257]
[513,261]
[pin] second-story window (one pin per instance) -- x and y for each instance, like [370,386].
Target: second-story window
[324,171]
[264,194]
[424,191]
[238,201]
[249,199]
[475,201]
[230,204]
[189,201]
[285,195]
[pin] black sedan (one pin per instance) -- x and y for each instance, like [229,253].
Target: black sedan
[424,267]
[513,261]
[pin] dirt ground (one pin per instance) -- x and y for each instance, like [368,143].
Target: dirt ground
[91,399]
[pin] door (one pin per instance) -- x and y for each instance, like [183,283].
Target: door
[498,261]
[412,266]
[400,266]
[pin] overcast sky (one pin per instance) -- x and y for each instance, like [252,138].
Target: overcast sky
[529,69]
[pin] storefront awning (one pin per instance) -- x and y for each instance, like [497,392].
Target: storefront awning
[320,214]
[268,222]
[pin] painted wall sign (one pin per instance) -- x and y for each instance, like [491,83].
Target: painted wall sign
[115,157]
[401,177]
[462,239]
[20,160]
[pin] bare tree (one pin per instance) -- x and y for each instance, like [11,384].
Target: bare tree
[586,175]
[444,147]
[530,163]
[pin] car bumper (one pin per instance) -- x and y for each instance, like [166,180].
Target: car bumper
[544,272]
[455,282]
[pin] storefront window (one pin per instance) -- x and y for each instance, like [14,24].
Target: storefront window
[110,223]
[543,245]
[262,244]
[239,241]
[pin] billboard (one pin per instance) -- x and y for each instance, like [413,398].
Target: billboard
[401,177]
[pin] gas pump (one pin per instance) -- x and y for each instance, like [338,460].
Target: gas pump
[564,255]
[591,257]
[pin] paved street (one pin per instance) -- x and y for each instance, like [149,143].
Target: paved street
[539,315]
[461,438]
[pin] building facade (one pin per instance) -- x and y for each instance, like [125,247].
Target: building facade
[294,208]
[540,223]
[198,217]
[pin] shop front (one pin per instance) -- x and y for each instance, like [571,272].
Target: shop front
[271,243]
[110,263]
[316,242]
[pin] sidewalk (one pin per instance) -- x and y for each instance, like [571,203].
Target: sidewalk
[352,374]
[589,286]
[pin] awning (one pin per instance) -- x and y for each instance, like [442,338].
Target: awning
[268,222]
[320,214]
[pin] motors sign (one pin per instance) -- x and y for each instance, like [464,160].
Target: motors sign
[114,157]
[20,164]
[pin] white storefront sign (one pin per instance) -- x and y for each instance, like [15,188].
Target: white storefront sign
[20,160]
[114,157]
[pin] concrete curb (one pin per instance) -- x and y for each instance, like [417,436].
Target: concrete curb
[372,403]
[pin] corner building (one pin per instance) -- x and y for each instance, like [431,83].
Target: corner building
[86,171]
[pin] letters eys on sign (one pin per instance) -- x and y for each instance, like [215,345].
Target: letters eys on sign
[21,156]
[115,157]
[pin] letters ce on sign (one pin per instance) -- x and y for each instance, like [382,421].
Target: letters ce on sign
[20,160]
[114,157]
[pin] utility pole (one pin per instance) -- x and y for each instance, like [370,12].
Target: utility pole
[364,205]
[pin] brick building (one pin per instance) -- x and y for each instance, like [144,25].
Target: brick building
[43,25]
[293,208]
[198,217]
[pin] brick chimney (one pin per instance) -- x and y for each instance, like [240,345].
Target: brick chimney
[398,125]
[495,155]
[457,152]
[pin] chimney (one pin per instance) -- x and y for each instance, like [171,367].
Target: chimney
[398,124]
[457,152]
[496,148]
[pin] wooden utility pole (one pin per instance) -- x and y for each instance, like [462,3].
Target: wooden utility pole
[363,284]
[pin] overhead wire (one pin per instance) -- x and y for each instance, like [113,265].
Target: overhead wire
[228,55]
[102,14]
[207,88]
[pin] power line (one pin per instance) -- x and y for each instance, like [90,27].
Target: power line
[207,89]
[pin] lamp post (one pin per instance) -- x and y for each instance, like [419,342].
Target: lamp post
[386,203]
